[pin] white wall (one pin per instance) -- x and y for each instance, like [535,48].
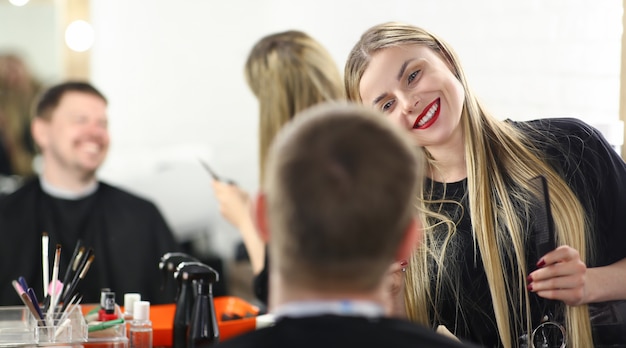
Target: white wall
[173,71]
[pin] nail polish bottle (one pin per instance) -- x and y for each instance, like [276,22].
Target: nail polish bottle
[107,304]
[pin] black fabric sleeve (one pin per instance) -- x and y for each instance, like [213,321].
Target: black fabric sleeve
[606,187]
[597,175]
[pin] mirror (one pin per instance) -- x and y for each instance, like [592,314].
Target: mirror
[36,31]
[33,32]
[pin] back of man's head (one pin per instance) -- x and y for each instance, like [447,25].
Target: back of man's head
[341,186]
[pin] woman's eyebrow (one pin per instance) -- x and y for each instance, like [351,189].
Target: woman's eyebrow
[379,98]
[403,67]
[399,77]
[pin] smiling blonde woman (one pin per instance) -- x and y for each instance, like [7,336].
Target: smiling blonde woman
[478,272]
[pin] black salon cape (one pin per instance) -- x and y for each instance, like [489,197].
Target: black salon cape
[330,331]
[127,233]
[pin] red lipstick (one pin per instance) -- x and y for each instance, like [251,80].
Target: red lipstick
[431,115]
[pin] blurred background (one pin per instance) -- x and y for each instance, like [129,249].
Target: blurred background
[173,74]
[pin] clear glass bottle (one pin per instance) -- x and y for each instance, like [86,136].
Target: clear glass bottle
[141,326]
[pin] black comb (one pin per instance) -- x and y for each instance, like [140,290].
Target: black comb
[544,237]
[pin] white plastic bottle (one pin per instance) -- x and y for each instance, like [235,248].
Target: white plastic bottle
[141,326]
[129,304]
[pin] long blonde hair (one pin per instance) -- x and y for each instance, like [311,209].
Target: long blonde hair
[289,72]
[500,162]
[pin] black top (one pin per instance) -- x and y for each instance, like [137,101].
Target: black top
[5,161]
[597,176]
[329,331]
[260,282]
[127,233]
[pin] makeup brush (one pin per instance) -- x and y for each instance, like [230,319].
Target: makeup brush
[78,250]
[45,267]
[27,302]
[77,266]
[72,286]
[54,293]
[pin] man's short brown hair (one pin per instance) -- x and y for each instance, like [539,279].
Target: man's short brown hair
[341,185]
[50,99]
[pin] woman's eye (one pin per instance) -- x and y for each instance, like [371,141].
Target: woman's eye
[413,75]
[386,106]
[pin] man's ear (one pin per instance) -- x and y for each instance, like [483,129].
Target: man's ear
[39,130]
[260,217]
[411,240]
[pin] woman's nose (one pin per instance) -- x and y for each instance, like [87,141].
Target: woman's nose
[408,104]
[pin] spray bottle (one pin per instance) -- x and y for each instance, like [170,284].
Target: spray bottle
[169,262]
[184,296]
[197,311]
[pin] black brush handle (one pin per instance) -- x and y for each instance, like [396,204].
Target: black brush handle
[544,237]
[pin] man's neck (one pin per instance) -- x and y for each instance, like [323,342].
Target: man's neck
[289,299]
[67,189]
[66,179]
[344,307]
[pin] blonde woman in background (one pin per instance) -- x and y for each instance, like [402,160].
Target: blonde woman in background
[287,72]
[478,272]
[18,91]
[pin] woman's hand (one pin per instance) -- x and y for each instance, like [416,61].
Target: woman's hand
[234,203]
[236,207]
[561,275]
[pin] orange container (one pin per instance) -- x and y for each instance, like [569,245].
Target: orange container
[162,317]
